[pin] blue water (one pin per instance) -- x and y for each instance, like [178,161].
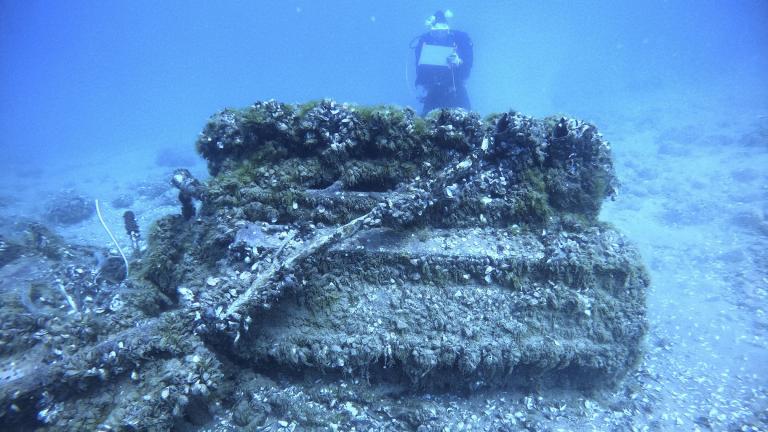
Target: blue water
[91,92]
[85,76]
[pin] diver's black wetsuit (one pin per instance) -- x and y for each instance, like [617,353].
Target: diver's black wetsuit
[445,85]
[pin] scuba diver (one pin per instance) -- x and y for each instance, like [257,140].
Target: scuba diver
[443,61]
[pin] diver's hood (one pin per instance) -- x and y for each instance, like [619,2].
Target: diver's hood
[441,23]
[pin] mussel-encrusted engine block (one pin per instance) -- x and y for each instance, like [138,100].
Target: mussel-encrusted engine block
[447,251]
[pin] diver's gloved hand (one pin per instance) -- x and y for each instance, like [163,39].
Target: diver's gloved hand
[454,60]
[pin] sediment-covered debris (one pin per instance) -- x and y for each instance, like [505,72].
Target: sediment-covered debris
[339,242]
[69,208]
